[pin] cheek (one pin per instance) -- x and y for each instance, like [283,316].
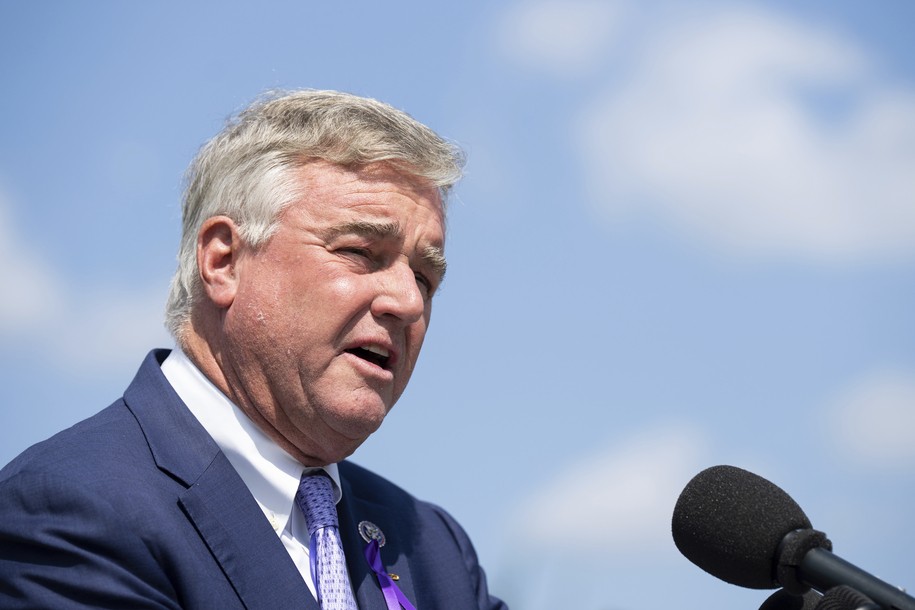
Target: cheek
[323,296]
[346,287]
[416,336]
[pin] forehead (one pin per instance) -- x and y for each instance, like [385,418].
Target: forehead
[330,194]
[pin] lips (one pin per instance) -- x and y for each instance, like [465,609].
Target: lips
[376,354]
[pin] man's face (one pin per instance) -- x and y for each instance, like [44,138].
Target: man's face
[330,314]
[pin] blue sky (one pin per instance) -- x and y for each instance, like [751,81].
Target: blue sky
[686,237]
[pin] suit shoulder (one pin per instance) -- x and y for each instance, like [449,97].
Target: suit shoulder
[105,442]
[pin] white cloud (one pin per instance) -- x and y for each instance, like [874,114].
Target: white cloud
[875,419]
[562,38]
[620,499]
[83,328]
[109,329]
[30,287]
[758,134]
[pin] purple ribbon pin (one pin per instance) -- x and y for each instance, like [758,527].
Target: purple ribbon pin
[393,597]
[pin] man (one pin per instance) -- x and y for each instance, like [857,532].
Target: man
[312,247]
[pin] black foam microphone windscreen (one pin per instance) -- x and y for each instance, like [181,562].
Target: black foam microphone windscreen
[730,522]
[845,598]
[783,600]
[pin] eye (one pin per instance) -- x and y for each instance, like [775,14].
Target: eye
[360,255]
[359,258]
[425,284]
[356,251]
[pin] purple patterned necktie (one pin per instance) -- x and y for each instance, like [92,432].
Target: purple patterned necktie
[328,566]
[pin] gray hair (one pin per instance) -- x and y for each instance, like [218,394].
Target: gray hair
[247,171]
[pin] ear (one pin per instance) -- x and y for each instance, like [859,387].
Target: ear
[219,245]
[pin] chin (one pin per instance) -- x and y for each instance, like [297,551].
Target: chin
[358,430]
[357,424]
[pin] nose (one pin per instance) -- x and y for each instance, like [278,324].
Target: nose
[399,295]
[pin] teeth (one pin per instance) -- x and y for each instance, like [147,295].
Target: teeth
[375,349]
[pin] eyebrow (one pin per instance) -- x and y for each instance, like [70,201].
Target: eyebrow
[382,230]
[434,257]
[431,256]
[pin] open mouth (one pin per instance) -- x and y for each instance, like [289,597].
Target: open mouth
[374,354]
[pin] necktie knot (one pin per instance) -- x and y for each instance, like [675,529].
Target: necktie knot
[316,499]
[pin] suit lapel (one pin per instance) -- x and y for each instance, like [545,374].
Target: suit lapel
[216,500]
[352,511]
[239,537]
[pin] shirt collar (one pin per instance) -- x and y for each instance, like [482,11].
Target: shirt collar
[271,475]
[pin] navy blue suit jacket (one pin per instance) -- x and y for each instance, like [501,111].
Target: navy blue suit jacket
[136,507]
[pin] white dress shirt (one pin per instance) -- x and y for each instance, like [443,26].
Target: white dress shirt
[271,475]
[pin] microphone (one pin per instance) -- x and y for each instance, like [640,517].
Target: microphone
[741,528]
[845,598]
[838,598]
